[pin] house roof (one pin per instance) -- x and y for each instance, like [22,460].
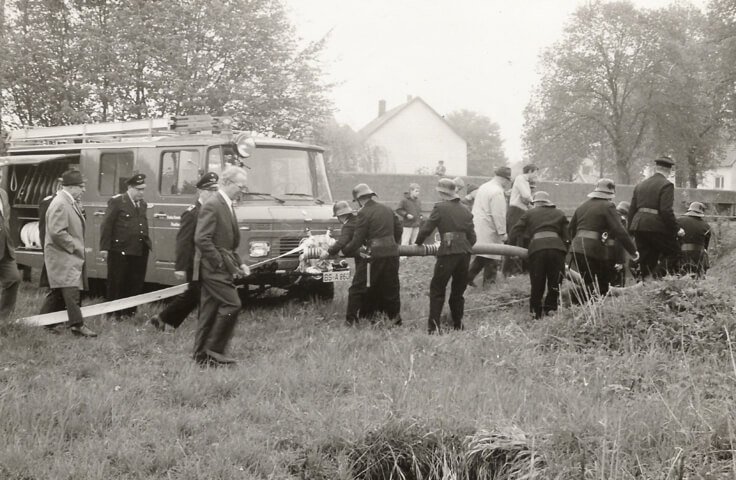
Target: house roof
[729,158]
[377,123]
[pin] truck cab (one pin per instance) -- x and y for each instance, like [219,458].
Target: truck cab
[288,197]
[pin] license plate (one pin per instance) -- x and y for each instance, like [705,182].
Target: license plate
[331,277]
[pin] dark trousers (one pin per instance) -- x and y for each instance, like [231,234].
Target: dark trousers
[546,269]
[658,253]
[67,298]
[448,267]
[182,305]
[357,291]
[514,265]
[383,294]
[125,277]
[489,267]
[596,277]
[9,284]
[218,311]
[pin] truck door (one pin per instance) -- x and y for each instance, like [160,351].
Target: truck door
[115,168]
[179,171]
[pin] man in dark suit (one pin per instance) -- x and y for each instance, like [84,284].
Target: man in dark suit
[652,221]
[179,308]
[124,241]
[593,224]
[694,243]
[379,229]
[356,292]
[217,238]
[9,276]
[546,227]
[455,225]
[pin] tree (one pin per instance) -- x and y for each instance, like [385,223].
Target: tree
[345,149]
[102,60]
[485,145]
[598,82]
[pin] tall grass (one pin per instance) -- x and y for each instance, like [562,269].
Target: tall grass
[313,398]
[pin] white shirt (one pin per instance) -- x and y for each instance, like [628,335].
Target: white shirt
[521,192]
[227,200]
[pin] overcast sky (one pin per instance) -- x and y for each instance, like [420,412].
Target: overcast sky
[477,55]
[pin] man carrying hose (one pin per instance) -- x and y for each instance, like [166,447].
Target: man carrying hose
[379,229]
[357,289]
[454,223]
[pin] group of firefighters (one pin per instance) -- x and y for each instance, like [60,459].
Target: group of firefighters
[599,243]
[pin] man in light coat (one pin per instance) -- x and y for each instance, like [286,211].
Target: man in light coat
[489,218]
[64,253]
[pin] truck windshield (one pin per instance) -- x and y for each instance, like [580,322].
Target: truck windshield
[288,173]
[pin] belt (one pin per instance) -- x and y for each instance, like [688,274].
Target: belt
[547,234]
[653,211]
[588,234]
[450,236]
[387,241]
[691,247]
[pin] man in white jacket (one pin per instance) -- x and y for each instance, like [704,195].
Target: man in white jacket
[489,218]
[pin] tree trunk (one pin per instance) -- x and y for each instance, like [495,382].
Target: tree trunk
[692,171]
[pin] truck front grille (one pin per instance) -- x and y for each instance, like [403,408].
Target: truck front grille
[289,243]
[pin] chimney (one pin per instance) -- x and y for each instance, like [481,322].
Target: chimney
[381,107]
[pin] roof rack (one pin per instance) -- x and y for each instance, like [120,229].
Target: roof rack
[118,131]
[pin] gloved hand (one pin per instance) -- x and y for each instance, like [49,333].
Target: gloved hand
[324,254]
[409,216]
[618,267]
[180,275]
[681,233]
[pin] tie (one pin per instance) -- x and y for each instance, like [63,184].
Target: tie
[236,230]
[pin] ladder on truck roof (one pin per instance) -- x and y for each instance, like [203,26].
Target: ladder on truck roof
[117,131]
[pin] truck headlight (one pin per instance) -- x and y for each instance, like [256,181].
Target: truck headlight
[259,248]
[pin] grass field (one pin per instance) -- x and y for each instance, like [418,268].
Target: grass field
[639,386]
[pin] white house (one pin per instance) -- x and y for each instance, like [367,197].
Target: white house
[722,176]
[412,138]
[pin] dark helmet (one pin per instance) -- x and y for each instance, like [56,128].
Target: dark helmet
[341,208]
[362,190]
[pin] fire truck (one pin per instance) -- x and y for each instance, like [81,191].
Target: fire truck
[288,198]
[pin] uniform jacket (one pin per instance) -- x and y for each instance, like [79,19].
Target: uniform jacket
[489,214]
[125,229]
[450,216]
[64,253]
[346,234]
[185,239]
[6,241]
[598,215]
[657,193]
[378,228]
[412,206]
[697,230]
[217,237]
[545,218]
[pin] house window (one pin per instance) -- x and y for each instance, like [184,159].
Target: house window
[180,171]
[115,169]
[719,181]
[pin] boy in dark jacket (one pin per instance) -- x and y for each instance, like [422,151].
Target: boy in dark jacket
[410,211]
[694,243]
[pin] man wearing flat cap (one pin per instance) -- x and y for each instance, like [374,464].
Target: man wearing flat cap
[652,221]
[64,252]
[694,243]
[457,236]
[184,304]
[124,241]
[489,218]
[594,228]
[546,227]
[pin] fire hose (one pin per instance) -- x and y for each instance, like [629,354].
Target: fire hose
[432,249]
